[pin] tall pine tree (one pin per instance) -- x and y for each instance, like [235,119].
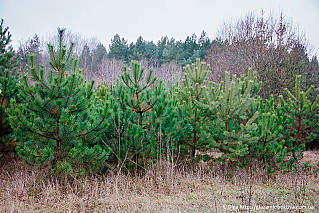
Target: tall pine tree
[231,127]
[59,116]
[8,85]
[190,92]
[144,125]
[304,115]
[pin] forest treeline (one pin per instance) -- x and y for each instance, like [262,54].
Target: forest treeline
[92,52]
[254,101]
[270,45]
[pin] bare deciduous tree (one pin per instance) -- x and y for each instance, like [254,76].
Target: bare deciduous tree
[269,45]
[110,70]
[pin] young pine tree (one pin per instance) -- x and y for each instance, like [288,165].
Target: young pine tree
[304,116]
[270,146]
[59,116]
[168,126]
[144,125]
[8,85]
[190,92]
[231,127]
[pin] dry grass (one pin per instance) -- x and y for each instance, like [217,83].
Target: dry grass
[23,189]
[312,157]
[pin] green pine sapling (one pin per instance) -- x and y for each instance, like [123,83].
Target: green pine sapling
[144,124]
[270,147]
[8,86]
[304,115]
[60,117]
[190,92]
[231,127]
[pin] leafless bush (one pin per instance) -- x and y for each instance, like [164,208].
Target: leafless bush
[110,70]
[269,45]
[70,37]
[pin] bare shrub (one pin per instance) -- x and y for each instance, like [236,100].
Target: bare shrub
[110,70]
[269,45]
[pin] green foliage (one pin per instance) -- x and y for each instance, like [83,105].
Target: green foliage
[245,127]
[74,127]
[269,147]
[189,93]
[59,116]
[118,48]
[231,127]
[304,119]
[144,124]
[8,84]
[164,51]
[285,128]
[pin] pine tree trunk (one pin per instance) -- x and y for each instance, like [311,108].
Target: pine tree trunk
[194,144]
[194,138]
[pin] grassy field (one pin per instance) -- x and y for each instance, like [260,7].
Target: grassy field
[162,189]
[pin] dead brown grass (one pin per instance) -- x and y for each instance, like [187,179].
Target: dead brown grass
[161,189]
[312,157]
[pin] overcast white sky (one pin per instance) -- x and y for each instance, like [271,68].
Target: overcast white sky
[149,18]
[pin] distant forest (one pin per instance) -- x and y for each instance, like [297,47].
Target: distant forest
[166,50]
[268,45]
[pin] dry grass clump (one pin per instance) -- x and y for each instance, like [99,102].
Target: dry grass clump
[312,157]
[161,189]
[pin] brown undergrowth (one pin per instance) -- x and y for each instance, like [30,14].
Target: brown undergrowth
[161,189]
